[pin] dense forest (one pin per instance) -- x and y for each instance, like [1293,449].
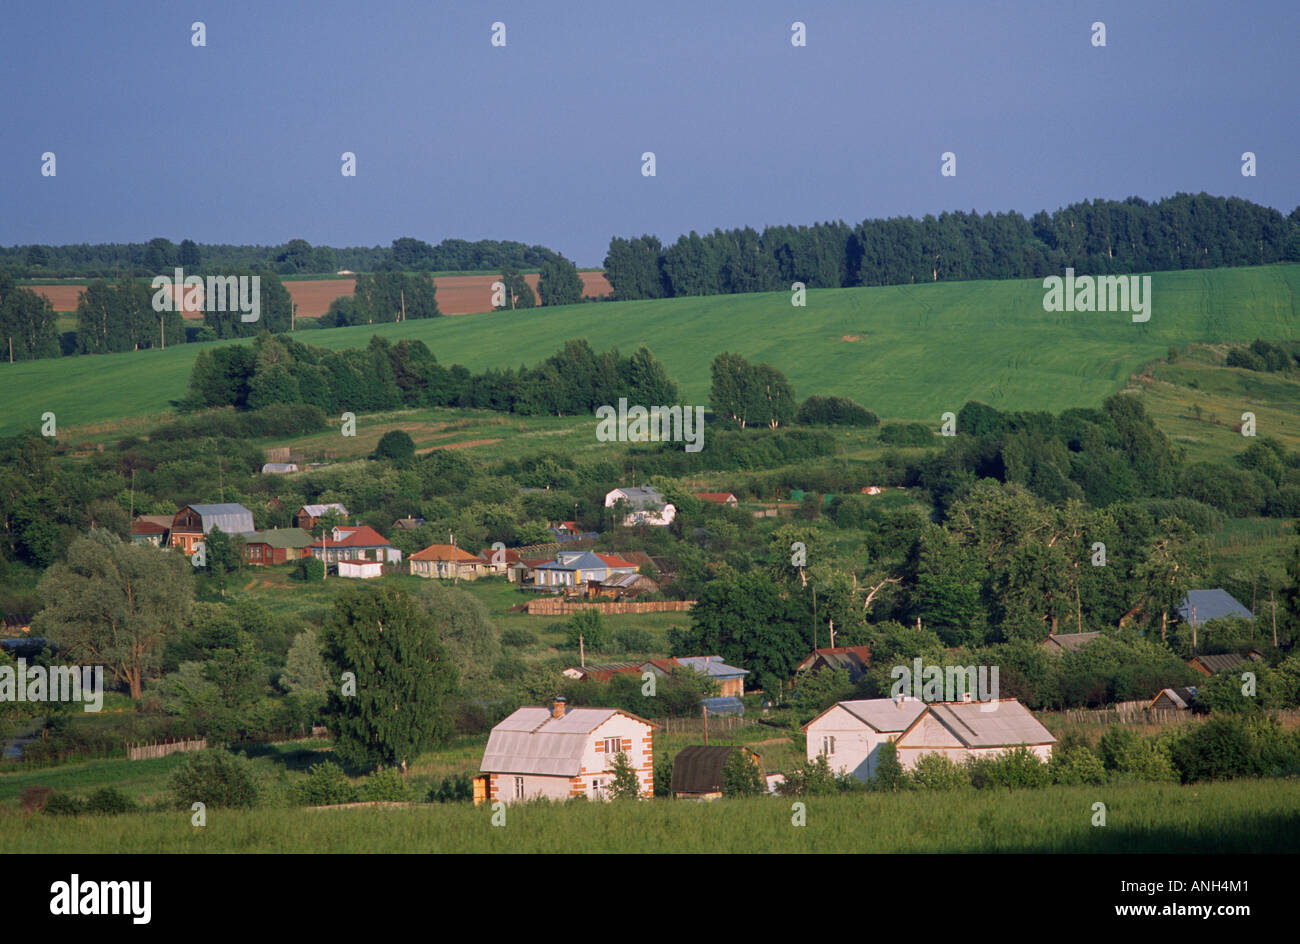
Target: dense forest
[1095,238]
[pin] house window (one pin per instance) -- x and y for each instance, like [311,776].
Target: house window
[595,788]
[519,788]
[828,745]
[612,747]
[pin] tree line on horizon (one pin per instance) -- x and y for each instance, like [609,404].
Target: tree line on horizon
[1101,237]
[160,256]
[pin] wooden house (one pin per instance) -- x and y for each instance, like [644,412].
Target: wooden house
[447,562]
[277,546]
[309,516]
[193,522]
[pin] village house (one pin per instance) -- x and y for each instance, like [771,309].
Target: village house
[498,560]
[277,546]
[698,770]
[721,498]
[193,522]
[356,543]
[647,506]
[447,562]
[1202,605]
[1175,699]
[623,587]
[730,679]
[561,752]
[409,523]
[1224,662]
[852,659]
[152,529]
[850,733]
[309,516]
[1061,643]
[571,570]
[963,729]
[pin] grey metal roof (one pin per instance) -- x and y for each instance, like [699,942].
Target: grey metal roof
[575,561]
[1211,604]
[885,714]
[1002,723]
[697,768]
[712,666]
[229,517]
[643,498]
[317,510]
[1225,661]
[532,741]
[1070,642]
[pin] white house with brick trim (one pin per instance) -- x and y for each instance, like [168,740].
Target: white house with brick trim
[850,733]
[561,752]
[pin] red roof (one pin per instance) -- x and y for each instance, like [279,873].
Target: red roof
[146,527]
[364,536]
[613,561]
[445,552]
[716,496]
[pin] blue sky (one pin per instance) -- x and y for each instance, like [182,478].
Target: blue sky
[540,141]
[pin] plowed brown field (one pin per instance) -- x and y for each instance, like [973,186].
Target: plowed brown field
[457,294]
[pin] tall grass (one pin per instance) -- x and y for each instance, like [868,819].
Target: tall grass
[1238,817]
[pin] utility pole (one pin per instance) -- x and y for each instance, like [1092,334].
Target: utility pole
[403,304]
[1273,603]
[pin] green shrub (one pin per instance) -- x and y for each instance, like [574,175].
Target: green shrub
[310,569]
[1219,749]
[906,434]
[1076,765]
[64,804]
[740,775]
[387,785]
[634,639]
[111,801]
[215,778]
[810,778]
[457,789]
[325,784]
[890,775]
[1015,769]
[938,772]
[518,638]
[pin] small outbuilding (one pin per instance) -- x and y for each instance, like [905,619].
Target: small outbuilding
[698,770]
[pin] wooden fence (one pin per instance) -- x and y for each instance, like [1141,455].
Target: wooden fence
[164,748]
[1122,714]
[553,607]
[694,725]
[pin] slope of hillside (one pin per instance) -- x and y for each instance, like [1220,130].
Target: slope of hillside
[903,351]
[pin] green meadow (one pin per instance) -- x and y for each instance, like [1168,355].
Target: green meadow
[904,351]
[1234,817]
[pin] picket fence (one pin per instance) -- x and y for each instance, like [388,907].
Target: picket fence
[553,607]
[164,748]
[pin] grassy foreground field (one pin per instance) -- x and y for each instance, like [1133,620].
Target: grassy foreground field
[903,351]
[1238,817]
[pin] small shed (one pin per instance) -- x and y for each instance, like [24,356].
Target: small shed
[697,770]
[360,569]
[1061,643]
[1225,662]
[1175,699]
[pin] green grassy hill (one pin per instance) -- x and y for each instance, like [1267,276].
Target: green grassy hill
[903,351]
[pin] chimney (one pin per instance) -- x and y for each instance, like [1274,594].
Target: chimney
[899,699]
[558,707]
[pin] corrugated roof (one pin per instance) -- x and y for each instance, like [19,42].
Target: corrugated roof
[532,741]
[1211,604]
[1002,723]
[1070,642]
[230,517]
[642,498]
[712,666]
[724,705]
[885,715]
[1224,661]
[281,537]
[317,510]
